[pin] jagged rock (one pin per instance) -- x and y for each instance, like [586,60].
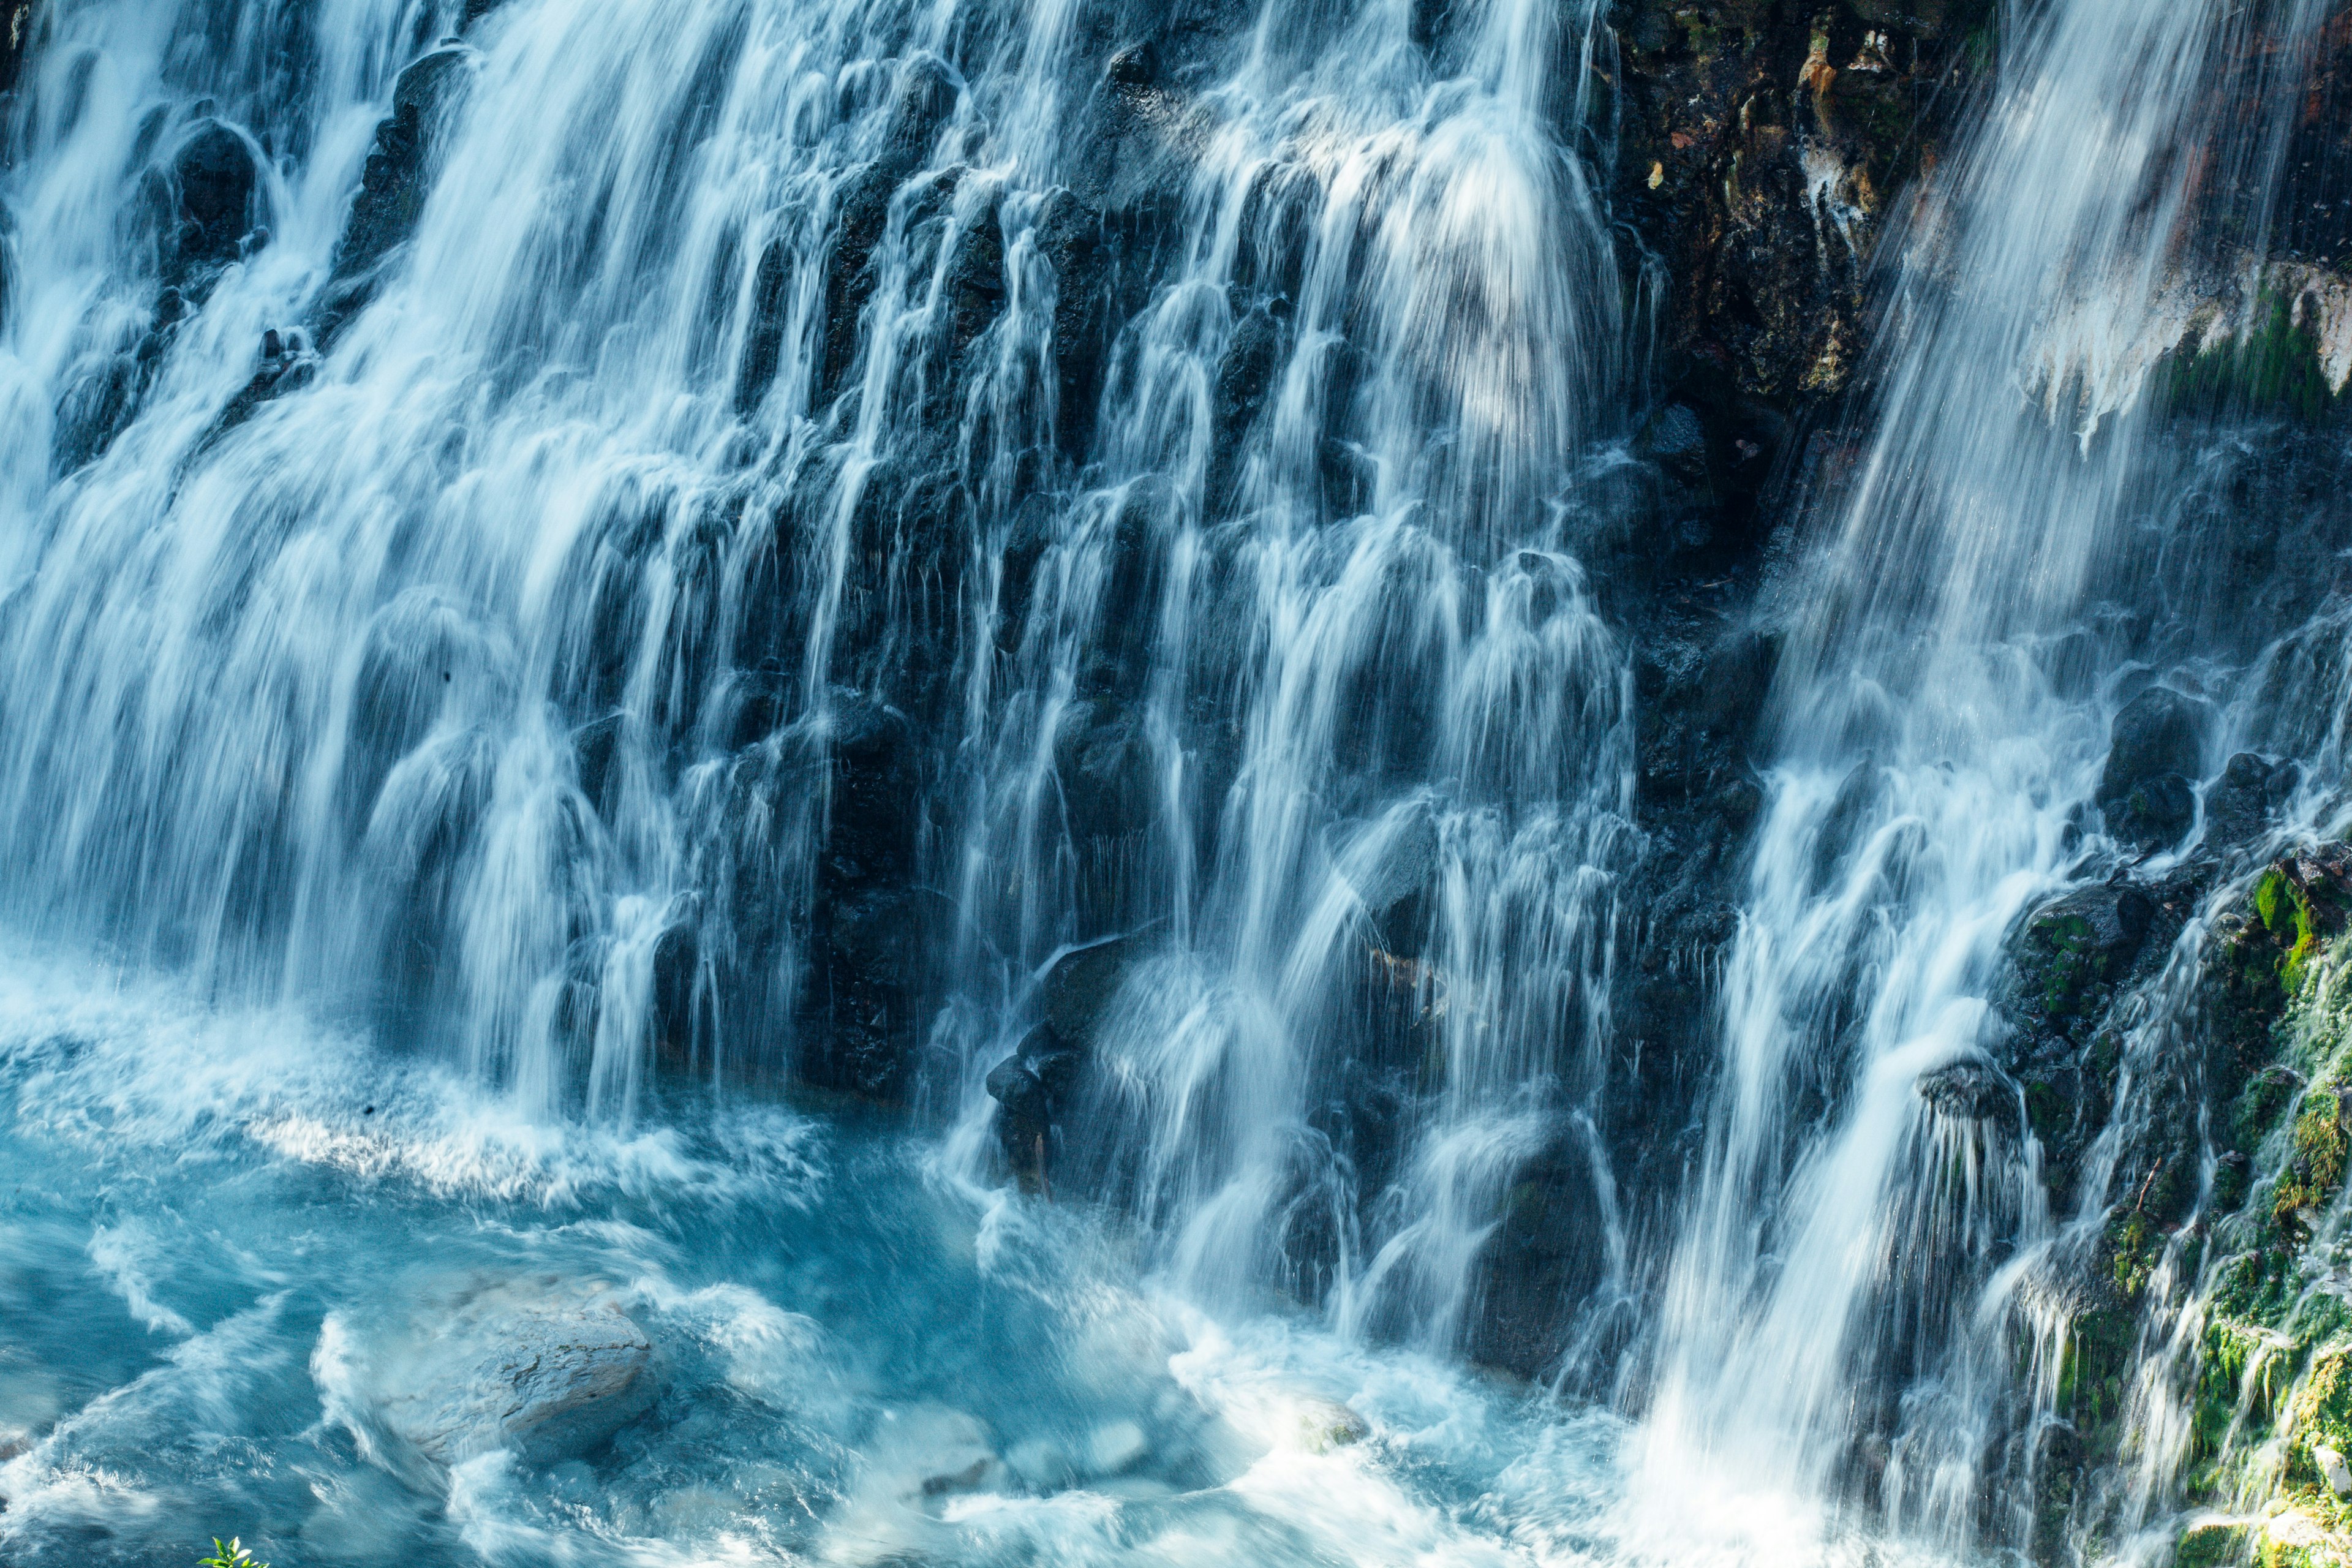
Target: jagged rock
[2086,938]
[396,178]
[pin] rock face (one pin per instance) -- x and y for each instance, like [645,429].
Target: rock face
[543,1369]
[1765,147]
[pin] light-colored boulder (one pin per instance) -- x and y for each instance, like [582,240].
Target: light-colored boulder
[543,1368]
[2331,1465]
[1326,1424]
[1116,1445]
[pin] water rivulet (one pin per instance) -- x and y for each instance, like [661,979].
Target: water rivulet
[956,781]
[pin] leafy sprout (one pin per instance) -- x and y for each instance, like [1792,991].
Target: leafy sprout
[235,1554]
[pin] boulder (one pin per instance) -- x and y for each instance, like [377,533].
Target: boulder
[545,1369]
[1115,1447]
[1079,987]
[2331,1465]
[1326,1424]
[2155,746]
[2243,800]
[2087,939]
[1970,1091]
[214,179]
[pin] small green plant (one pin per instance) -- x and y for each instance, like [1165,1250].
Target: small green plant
[235,1554]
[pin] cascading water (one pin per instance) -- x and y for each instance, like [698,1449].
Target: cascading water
[575,571]
[1865,1300]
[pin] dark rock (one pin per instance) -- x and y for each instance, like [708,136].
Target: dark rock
[396,179]
[287,365]
[764,333]
[677,961]
[922,101]
[1137,65]
[975,281]
[19,21]
[215,181]
[2155,746]
[1080,986]
[861,215]
[2155,815]
[1070,236]
[1970,1091]
[1926,19]
[2244,800]
[1675,440]
[2157,732]
[2076,946]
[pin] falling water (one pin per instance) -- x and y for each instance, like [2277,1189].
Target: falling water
[1863,1299]
[580,573]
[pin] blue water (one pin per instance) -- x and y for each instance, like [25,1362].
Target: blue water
[225,1233]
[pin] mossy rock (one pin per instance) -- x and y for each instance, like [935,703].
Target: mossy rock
[2315,1169]
[2275,370]
[2210,1545]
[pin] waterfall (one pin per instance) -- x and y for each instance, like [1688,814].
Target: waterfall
[930,729]
[672,545]
[1863,1299]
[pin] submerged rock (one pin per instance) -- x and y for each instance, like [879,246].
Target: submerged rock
[1116,1445]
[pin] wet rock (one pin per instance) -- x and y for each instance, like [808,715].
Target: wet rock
[2331,1468]
[764,334]
[1069,234]
[2242,803]
[287,364]
[544,1369]
[1115,1447]
[2154,747]
[975,281]
[1970,1091]
[2079,944]
[595,747]
[861,215]
[1675,440]
[1761,148]
[396,179]
[1326,1424]
[922,101]
[1927,19]
[1079,988]
[216,181]
[19,21]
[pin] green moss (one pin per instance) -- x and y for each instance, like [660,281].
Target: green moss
[2316,1167]
[2138,1250]
[2210,1545]
[2274,369]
